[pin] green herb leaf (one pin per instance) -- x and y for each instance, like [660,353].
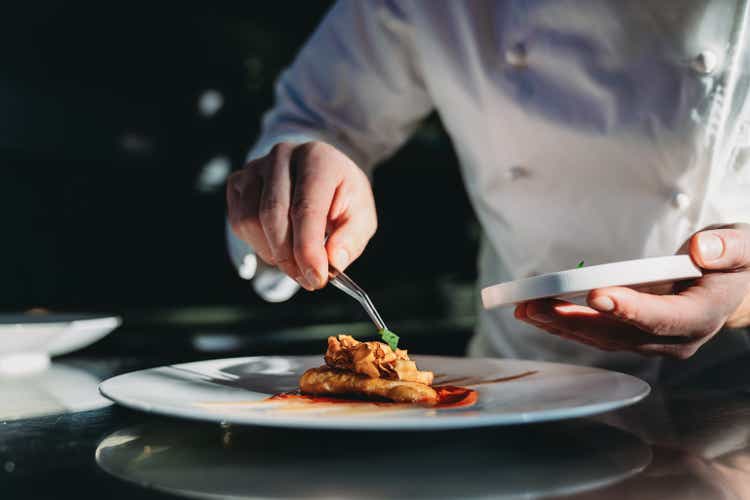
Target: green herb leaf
[580,264]
[389,338]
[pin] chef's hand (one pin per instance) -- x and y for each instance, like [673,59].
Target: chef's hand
[286,203]
[675,325]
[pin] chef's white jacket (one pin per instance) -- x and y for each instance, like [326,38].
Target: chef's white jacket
[596,130]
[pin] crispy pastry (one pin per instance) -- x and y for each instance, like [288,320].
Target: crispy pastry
[373,359]
[325,380]
[369,369]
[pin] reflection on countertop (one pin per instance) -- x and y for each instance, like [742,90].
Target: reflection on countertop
[700,441]
[205,461]
[57,390]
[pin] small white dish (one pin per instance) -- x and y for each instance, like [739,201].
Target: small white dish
[27,341]
[579,281]
[236,391]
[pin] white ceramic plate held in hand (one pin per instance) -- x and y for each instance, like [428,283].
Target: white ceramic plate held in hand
[235,391]
[579,281]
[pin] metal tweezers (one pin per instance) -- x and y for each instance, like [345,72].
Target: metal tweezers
[348,286]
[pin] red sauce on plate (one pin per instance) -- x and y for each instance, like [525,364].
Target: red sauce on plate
[449,396]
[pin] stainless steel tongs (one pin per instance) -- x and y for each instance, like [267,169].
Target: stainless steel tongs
[348,286]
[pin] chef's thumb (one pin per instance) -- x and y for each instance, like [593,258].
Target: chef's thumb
[722,249]
[347,242]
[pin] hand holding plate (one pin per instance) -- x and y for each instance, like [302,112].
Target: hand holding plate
[675,325]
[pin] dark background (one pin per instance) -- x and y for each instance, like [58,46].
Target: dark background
[102,146]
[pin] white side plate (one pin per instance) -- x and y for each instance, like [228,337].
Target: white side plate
[27,341]
[575,282]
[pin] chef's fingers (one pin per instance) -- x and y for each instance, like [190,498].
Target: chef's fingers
[315,184]
[521,314]
[353,222]
[691,314]
[243,195]
[723,249]
[584,322]
[273,209]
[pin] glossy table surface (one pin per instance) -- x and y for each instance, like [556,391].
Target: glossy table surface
[690,440]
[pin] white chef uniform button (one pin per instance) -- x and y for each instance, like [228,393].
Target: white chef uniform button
[515,55]
[516,172]
[680,200]
[705,62]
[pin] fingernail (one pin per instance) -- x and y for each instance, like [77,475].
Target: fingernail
[312,278]
[340,258]
[710,246]
[540,317]
[602,303]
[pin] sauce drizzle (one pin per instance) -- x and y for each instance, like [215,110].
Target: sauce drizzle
[481,381]
[449,396]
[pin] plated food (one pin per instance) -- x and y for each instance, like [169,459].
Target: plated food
[374,371]
[264,390]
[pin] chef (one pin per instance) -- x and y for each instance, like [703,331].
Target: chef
[599,129]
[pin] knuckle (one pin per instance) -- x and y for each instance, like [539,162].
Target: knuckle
[280,153]
[628,314]
[313,149]
[271,210]
[314,154]
[304,209]
[252,167]
[278,149]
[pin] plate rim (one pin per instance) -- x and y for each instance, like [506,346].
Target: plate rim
[571,282]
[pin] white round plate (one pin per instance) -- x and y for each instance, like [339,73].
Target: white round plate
[574,282]
[236,391]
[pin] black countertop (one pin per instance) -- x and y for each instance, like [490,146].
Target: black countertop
[685,441]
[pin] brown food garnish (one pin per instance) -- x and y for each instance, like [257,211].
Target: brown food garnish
[374,360]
